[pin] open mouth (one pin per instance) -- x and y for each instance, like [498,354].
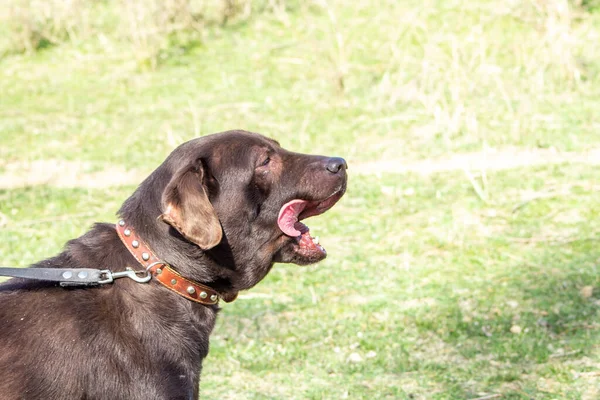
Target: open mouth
[296,210]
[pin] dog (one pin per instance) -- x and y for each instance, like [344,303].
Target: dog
[217,214]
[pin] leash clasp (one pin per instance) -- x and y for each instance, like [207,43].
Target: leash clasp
[110,276]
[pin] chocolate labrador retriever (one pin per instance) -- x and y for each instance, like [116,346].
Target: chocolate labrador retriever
[207,223]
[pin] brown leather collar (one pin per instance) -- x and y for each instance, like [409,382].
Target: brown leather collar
[163,272]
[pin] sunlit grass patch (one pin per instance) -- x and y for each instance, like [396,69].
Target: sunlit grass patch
[428,292]
[446,282]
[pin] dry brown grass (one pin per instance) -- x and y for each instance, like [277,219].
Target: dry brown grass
[149,27]
[34,24]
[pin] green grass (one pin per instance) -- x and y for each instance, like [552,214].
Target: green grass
[432,284]
[436,286]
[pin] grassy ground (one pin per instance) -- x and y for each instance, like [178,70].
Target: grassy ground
[439,285]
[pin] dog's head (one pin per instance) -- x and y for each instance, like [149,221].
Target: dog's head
[239,199]
[242,192]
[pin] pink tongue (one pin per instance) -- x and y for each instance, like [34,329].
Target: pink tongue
[288,218]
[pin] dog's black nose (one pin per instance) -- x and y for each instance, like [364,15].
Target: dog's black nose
[335,164]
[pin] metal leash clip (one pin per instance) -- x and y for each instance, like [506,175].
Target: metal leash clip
[110,276]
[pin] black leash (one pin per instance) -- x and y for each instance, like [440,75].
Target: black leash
[74,276]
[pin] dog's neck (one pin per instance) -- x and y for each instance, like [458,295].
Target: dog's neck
[216,267]
[164,273]
[184,256]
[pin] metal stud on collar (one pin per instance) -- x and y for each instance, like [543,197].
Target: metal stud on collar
[214,297]
[145,256]
[191,290]
[127,232]
[203,295]
[135,244]
[121,223]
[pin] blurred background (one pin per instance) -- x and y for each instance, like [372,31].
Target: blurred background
[463,261]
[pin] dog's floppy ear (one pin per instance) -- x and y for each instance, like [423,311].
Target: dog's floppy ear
[187,207]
